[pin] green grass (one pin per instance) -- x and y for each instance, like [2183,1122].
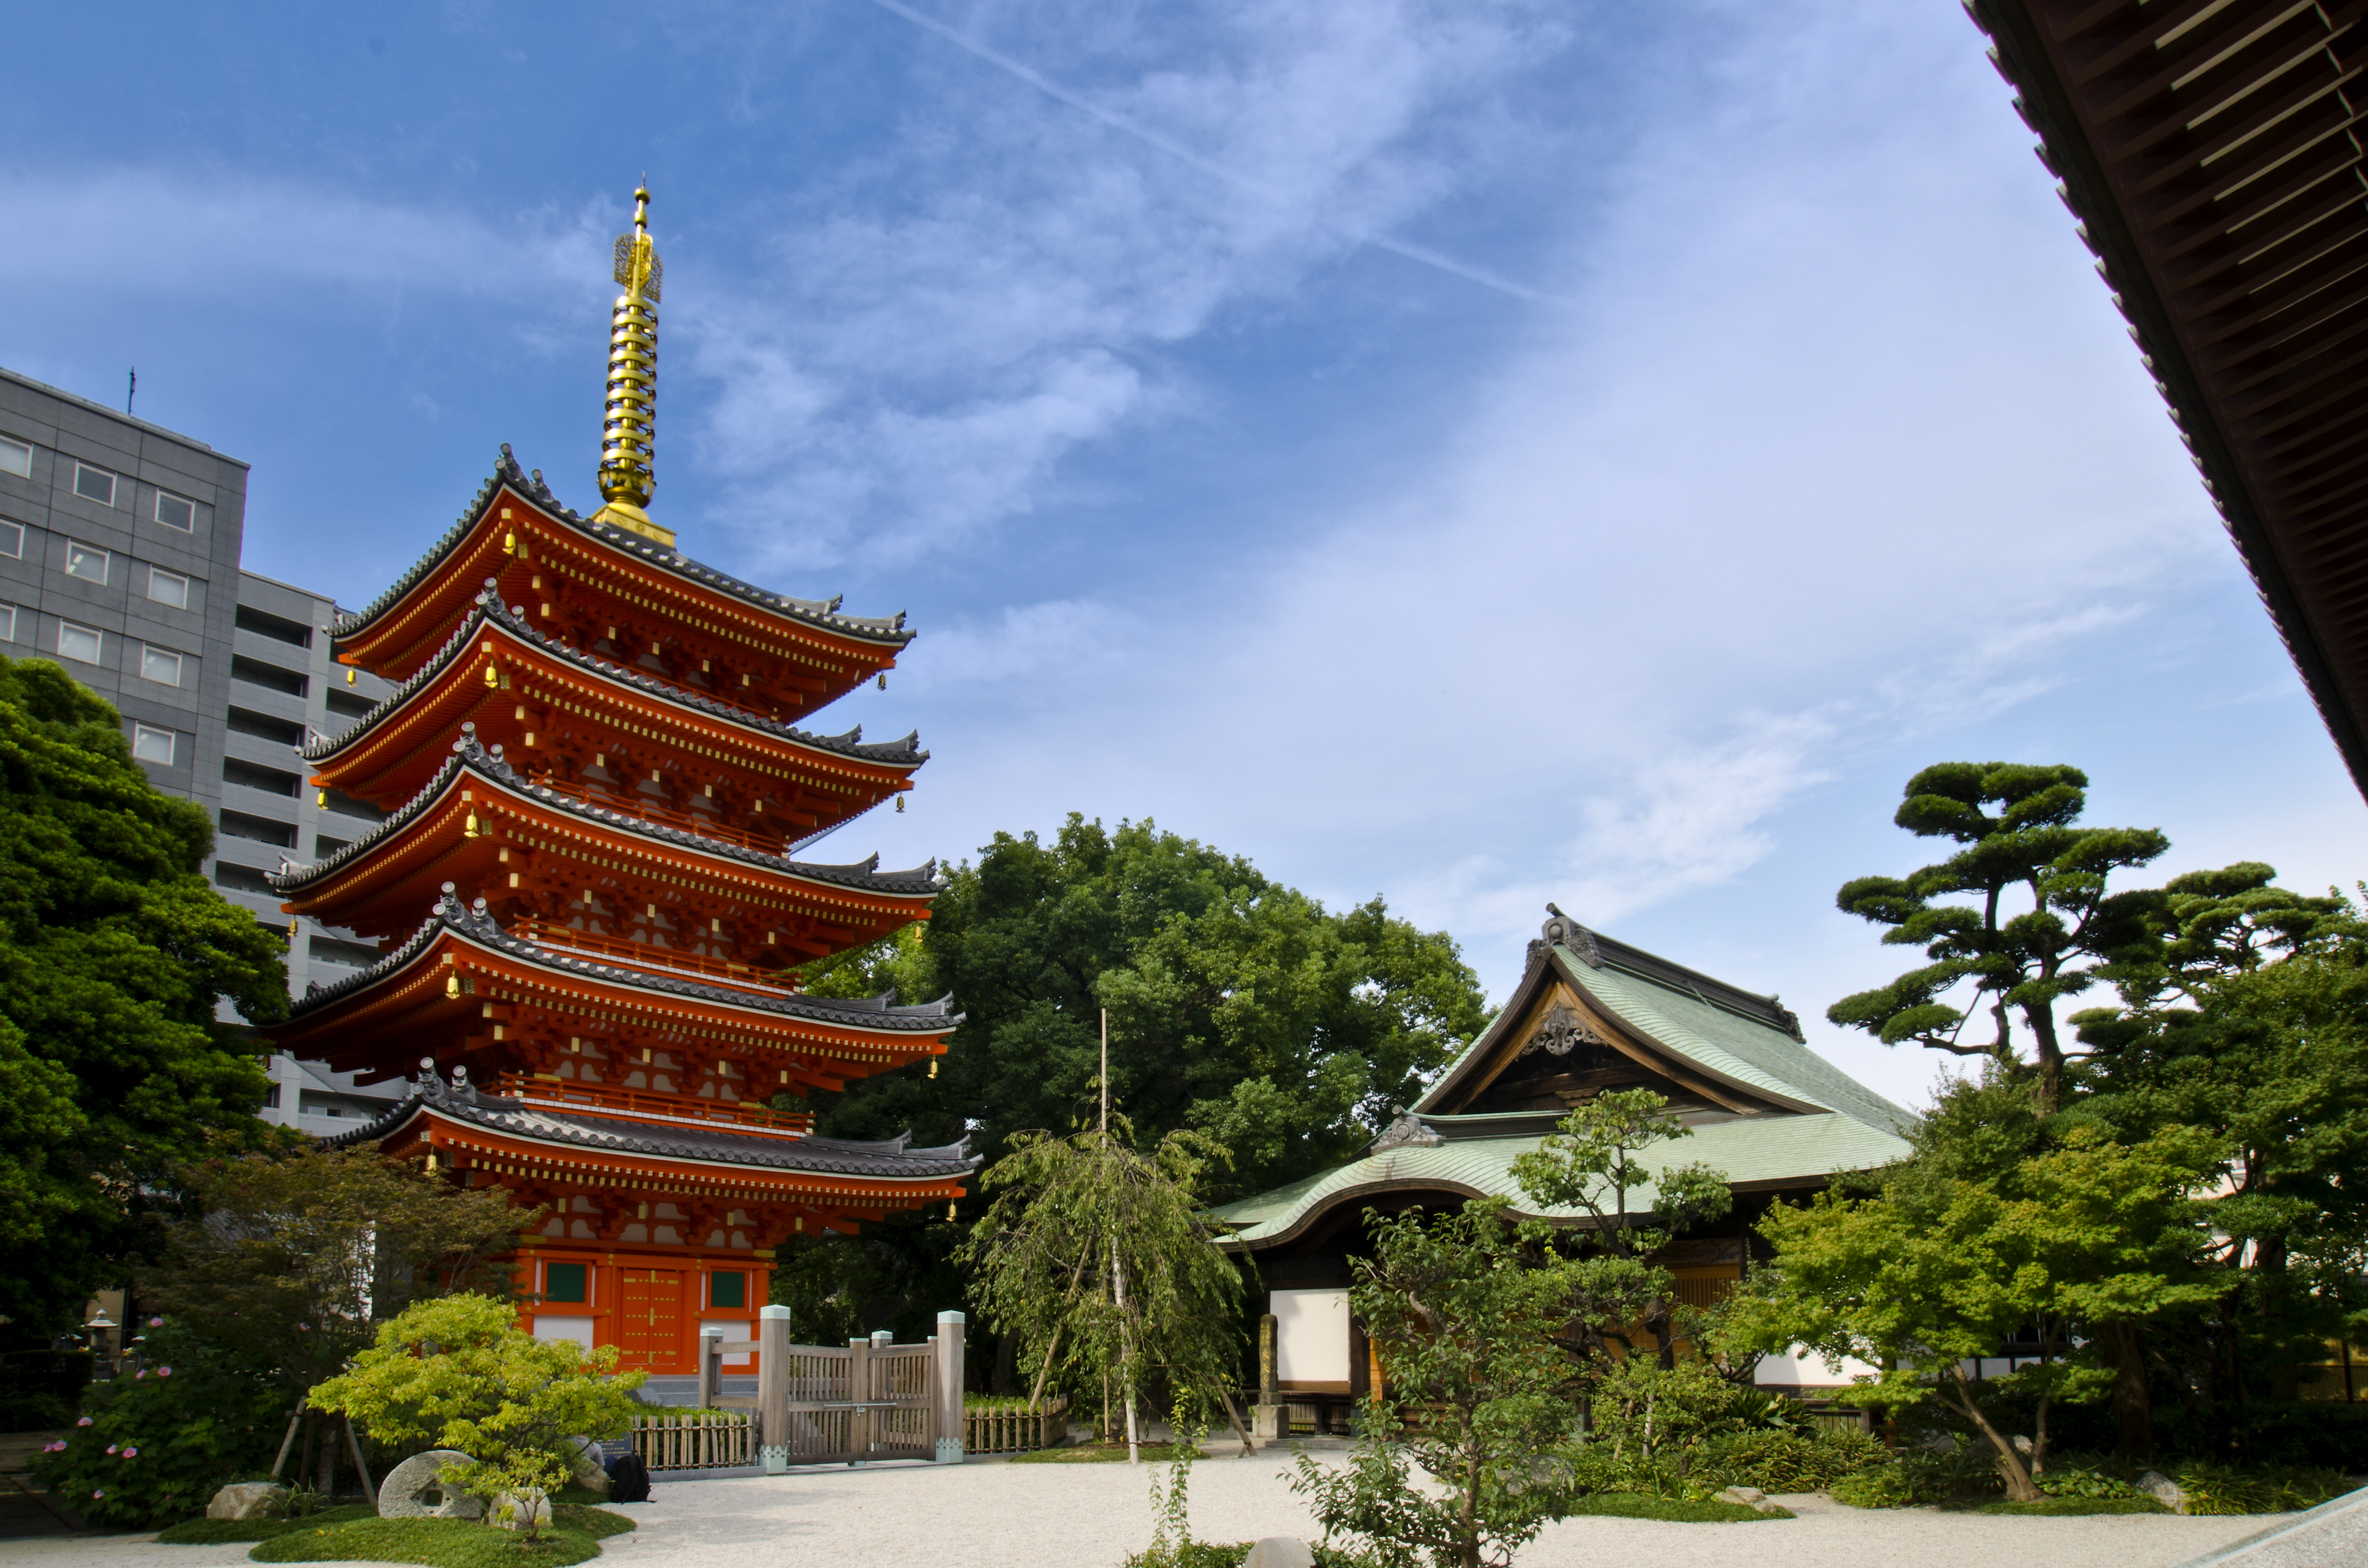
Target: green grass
[1677,1510]
[444,1543]
[1095,1453]
[2072,1507]
[213,1532]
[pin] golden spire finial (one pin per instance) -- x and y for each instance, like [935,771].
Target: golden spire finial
[628,441]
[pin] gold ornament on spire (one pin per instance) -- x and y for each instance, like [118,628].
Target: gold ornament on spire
[628,441]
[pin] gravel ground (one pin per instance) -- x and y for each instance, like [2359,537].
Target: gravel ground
[1090,1516]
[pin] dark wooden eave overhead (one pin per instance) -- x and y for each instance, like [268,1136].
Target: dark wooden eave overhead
[2212,151]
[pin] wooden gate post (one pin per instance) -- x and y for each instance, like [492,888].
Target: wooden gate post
[946,1376]
[710,1364]
[858,1395]
[773,1387]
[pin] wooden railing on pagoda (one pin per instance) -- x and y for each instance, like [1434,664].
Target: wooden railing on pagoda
[665,816]
[736,1116]
[650,955]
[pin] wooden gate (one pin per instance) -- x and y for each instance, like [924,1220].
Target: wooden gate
[826,1404]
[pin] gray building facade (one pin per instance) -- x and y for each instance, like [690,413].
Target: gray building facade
[119,545]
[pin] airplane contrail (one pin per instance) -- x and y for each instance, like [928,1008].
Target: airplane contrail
[1421,255]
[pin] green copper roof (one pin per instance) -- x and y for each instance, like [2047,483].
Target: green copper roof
[1751,1150]
[1828,1121]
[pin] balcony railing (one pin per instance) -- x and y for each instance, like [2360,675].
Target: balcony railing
[651,957]
[641,1105]
[665,816]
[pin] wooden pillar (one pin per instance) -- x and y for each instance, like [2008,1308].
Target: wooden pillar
[946,1366]
[711,1363]
[773,1389]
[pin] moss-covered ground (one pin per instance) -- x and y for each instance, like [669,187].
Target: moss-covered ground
[356,1534]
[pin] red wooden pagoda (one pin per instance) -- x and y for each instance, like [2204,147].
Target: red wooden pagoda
[588,900]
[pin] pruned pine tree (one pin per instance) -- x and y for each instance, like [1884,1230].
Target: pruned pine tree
[1095,1255]
[2039,923]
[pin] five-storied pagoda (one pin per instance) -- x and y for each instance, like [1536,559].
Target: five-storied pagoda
[596,771]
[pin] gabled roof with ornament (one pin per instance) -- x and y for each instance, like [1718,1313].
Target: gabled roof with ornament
[472,757]
[893,1159]
[490,611]
[452,918]
[821,614]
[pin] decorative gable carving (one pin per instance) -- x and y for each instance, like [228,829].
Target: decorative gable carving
[1559,1033]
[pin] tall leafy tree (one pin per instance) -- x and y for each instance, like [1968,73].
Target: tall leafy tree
[2251,1026]
[1287,1032]
[2020,918]
[113,949]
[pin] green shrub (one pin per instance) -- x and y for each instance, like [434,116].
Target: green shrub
[212,1532]
[1677,1510]
[2065,1478]
[2266,1489]
[1776,1460]
[154,1448]
[1885,1486]
[2066,1507]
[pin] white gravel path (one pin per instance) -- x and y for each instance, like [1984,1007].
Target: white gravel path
[1091,1516]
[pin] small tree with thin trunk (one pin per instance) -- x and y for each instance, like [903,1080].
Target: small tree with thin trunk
[1097,1257]
[1461,1309]
[2041,925]
[1589,1162]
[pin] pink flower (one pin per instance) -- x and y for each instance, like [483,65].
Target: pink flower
[139,1374]
[84,1422]
[111,1447]
[155,1323]
[96,1495]
[164,1372]
[55,1448]
[132,1453]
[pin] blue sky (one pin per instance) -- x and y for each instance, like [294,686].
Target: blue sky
[1472,452]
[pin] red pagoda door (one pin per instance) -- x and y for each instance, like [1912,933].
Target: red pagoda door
[649,1320]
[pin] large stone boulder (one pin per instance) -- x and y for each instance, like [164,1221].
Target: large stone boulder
[2163,1489]
[404,1493]
[1280,1552]
[591,1473]
[249,1500]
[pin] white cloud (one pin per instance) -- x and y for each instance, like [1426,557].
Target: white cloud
[915,369]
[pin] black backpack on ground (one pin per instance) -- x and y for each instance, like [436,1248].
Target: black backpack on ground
[629,1479]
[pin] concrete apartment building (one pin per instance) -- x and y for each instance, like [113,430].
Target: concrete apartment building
[119,559]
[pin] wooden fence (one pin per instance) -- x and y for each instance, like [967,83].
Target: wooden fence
[707,1440]
[1016,1431]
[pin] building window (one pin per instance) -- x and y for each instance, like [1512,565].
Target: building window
[271,1097]
[168,588]
[12,538]
[16,456]
[566,1282]
[8,623]
[77,642]
[727,1289]
[176,511]
[152,745]
[95,484]
[160,665]
[85,561]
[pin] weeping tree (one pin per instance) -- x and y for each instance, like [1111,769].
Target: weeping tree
[1095,1255]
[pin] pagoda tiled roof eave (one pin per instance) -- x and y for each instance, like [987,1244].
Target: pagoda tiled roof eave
[490,611]
[888,1161]
[471,757]
[819,615]
[855,1013]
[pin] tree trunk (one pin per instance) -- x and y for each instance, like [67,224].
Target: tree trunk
[2042,1019]
[326,1471]
[2132,1403]
[2019,1488]
[1467,1526]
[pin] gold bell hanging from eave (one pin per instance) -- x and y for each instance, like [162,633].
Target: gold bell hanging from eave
[629,436]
